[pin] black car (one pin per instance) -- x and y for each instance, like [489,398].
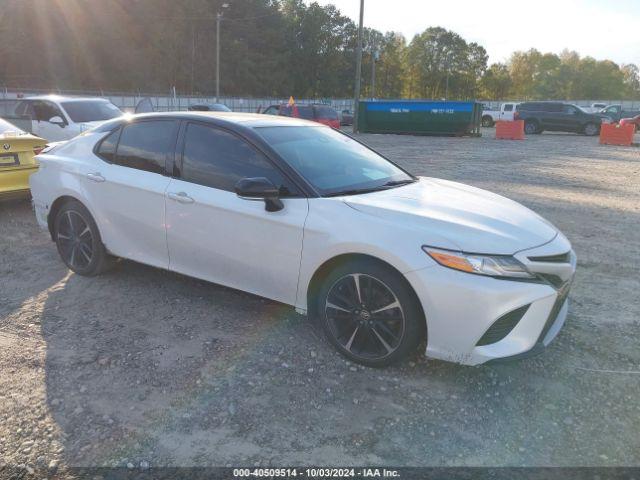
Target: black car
[209,107]
[617,112]
[558,117]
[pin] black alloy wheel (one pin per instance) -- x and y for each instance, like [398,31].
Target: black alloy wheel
[78,240]
[370,315]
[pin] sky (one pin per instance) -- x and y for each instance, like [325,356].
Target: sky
[603,29]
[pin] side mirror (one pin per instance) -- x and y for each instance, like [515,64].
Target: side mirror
[260,188]
[57,120]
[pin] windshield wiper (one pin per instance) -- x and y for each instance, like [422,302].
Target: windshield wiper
[395,183]
[384,186]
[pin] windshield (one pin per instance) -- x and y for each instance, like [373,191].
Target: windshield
[84,111]
[332,162]
[6,127]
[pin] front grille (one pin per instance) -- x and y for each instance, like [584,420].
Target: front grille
[502,327]
[560,258]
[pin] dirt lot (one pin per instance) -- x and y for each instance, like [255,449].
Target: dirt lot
[142,365]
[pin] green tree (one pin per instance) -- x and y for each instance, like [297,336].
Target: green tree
[441,63]
[496,82]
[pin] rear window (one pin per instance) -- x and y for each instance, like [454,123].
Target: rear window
[540,107]
[304,111]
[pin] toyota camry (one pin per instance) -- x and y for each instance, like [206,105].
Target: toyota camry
[305,215]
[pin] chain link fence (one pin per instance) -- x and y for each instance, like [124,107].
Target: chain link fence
[127,101]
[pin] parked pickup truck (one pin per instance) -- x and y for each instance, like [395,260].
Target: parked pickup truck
[490,117]
[559,117]
[616,112]
[56,118]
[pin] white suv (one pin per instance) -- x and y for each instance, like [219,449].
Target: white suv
[57,118]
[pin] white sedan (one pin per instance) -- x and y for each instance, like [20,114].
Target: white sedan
[302,214]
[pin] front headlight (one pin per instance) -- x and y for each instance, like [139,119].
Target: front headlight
[491,265]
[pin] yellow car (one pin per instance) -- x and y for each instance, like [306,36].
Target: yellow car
[17,162]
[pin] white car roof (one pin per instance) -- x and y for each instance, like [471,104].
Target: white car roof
[246,119]
[65,98]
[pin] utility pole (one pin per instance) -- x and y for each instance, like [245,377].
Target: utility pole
[356,97]
[446,88]
[375,55]
[218,20]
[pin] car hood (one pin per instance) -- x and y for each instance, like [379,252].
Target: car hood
[473,220]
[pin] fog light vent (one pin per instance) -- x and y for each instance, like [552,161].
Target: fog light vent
[503,326]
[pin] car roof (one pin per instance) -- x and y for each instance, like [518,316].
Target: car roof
[250,120]
[64,98]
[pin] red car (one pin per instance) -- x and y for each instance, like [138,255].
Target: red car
[635,120]
[317,112]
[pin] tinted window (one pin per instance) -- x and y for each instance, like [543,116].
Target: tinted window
[88,111]
[330,161]
[570,109]
[298,111]
[508,107]
[43,111]
[218,159]
[107,148]
[326,112]
[147,145]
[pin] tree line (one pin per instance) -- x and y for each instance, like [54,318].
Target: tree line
[272,48]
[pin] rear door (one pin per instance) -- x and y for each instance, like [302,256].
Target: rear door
[215,235]
[551,116]
[127,190]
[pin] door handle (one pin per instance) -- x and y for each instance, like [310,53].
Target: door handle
[181,197]
[96,177]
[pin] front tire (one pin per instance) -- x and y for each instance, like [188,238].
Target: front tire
[78,240]
[487,121]
[591,129]
[369,313]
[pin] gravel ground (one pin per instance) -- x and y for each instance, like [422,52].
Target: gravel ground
[142,365]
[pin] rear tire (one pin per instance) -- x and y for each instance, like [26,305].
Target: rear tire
[369,313]
[78,240]
[487,121]
[531,127]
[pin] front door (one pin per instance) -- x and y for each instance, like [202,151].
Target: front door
[215,235]
[42,111]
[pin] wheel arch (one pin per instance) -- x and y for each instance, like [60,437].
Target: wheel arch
[333,262]
[58,203]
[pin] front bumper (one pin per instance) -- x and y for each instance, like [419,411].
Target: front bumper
[460,307]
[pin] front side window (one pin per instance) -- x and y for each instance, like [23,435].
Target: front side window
[81,111]
[508,107]
[44,111]
[570,109]
[219,159]
[147,145]
[326,112]
[333,162]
